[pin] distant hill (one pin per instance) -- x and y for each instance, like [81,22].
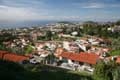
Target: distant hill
[65,22]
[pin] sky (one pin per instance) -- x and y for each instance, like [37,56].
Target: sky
[76,10]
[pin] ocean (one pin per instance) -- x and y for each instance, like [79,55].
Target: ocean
[21,24]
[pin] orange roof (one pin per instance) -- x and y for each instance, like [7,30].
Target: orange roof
[15,57]
[58,51]
[90,58]
[12,57]
[2,53]
[74,56]
[118,60]
[65,54]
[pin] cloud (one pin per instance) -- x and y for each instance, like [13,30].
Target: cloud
[8,13]
[21,13]
[101,5]
[21,10]
[13,13]
[2,6]
[24,10]
[93,5]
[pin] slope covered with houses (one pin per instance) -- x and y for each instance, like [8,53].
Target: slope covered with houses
[64,45]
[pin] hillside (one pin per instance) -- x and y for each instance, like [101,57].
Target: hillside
[14,71]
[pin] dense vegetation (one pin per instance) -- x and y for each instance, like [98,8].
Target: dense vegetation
[7,37]
[109,71]
[14,71]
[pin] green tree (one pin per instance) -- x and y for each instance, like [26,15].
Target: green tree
[48,35]
[115,52]
[106,71]
[28,49]
[99,72]
[116,73]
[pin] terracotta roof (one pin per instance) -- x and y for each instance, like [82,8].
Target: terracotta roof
[74,56]
[118,60]
[14,57]
[58,51]
[2,53]
[90,58]
[65,54]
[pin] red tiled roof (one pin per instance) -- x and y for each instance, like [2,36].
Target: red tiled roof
[90,58]
[2,53]
[65,54]
[118,60]
[14,57]
[74,56]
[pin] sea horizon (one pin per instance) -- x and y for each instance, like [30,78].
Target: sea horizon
[21,24]
[37,23]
